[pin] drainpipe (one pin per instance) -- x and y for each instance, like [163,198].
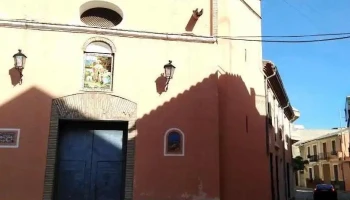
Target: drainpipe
[286,106]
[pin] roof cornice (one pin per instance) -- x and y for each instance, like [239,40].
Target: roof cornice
[276,84]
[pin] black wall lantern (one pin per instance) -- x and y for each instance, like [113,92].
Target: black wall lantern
[168,73]
[20,60]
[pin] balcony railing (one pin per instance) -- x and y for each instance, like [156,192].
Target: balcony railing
[313,158]
[324,156]
[334,153]
[328,155]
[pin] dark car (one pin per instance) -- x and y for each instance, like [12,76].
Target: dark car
[325,191]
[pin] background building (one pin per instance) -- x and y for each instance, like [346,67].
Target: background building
[300,134]
[328,158]
[93,113]
[280,116]
[347,111]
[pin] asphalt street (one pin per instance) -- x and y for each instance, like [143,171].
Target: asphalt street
[306,194]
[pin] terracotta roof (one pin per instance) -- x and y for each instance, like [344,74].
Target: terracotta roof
[321,135]
[307,134]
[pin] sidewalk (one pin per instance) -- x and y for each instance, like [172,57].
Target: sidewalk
[303,188]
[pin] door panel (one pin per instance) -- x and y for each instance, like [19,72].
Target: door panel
[90,165]
[72,180]
[108,145]
[75,150]
[108,180]
[107,157]
[336,175]
[326,173]
[316,171]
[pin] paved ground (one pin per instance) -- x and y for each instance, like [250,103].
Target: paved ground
[306,194]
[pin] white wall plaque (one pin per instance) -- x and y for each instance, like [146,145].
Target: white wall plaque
[9,137]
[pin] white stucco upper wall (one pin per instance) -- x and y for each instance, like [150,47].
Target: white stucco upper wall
[161,16]
[236,19]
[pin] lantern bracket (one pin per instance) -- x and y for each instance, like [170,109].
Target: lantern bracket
[20,76]
[168,73]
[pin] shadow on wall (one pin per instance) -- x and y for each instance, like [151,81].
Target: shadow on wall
[243,141]
[25,166]
[225,141]
[15,76]
[161,82]
[30,112]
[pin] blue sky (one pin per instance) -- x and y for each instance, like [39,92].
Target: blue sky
[315,75]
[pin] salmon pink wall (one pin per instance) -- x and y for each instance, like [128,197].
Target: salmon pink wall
[195,113]
[220,116]
[243,158]
[23,168]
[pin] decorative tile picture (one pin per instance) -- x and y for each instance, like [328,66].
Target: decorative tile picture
[98,72]
[9,138]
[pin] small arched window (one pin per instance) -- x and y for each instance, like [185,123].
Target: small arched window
[98,66]
[174,143]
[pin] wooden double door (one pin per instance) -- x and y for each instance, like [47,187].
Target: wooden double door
[91,163]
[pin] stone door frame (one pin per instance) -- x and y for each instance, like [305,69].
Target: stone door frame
[90,106]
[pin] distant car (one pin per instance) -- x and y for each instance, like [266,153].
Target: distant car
[325,191]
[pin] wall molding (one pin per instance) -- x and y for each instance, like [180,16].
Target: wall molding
[99,39]
[70,28]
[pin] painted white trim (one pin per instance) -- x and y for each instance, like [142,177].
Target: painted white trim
[34,25]
[182,141]
[18,136]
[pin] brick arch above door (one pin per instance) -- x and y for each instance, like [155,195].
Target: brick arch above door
[90,106]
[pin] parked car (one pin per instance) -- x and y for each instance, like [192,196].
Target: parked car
[325,191]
